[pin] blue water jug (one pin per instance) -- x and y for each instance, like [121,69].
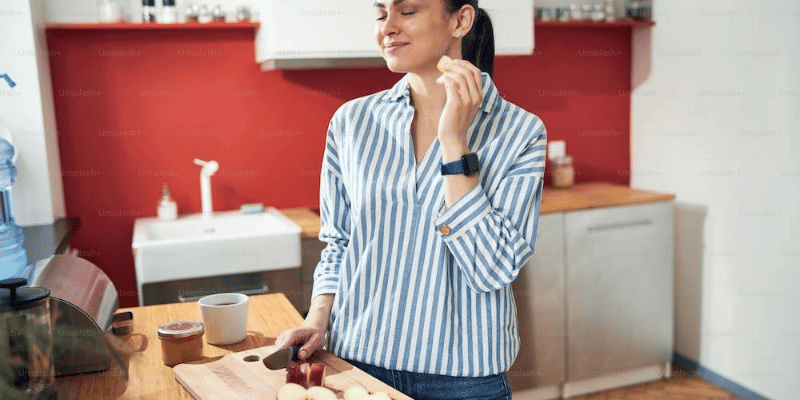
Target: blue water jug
[13,257]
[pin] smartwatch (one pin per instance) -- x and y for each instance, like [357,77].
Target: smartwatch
[467,165]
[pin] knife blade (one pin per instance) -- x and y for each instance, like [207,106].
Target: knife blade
[282,358]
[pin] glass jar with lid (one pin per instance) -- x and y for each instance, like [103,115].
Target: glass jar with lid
[563,172]
[181,341]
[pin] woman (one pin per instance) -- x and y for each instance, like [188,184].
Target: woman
[415,282]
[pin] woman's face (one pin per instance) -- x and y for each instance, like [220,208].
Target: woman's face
[413,35]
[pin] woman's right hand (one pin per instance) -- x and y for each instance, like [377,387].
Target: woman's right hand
[311,339]
[311,334]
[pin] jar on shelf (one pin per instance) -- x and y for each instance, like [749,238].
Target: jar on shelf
[639,9]
[611,10]
[109,11]
[586,12]
[575,12]
[598,13]
[563,172]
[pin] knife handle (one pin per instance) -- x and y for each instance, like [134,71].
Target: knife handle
[295,351]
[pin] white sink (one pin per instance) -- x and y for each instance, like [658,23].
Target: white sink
[225,243]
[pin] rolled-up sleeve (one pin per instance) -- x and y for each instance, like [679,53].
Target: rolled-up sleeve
[491,235]
[334,218]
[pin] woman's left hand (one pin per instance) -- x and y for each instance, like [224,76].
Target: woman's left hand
[463,84]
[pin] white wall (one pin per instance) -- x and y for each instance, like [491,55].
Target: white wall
[717,121]
[28,111]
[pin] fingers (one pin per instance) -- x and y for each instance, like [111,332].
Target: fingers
[280,341]
[469,77]
[289,338]
[311,340]
[314,343]
[451,86]
[462,76]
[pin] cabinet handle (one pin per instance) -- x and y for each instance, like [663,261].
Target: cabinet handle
[621,225]
[262,290]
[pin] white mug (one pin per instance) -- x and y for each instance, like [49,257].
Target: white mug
[225,317]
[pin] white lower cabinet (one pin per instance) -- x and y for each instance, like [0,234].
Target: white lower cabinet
[608,283]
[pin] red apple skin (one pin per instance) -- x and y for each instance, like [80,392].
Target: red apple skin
[294,374]
[316,375]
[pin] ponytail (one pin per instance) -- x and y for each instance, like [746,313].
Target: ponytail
[477,46]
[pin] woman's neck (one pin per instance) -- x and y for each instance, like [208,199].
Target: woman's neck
[427,96]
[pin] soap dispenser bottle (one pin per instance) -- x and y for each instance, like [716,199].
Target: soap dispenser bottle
[167,208]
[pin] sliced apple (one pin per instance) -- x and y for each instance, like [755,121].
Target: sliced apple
[292,391]
[355,393]
[319,393]
[442,62]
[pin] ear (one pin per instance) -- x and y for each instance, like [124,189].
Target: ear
[462,21]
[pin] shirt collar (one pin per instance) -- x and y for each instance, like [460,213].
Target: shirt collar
[401,91]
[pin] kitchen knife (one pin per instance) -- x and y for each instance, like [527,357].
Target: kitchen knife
[282,358]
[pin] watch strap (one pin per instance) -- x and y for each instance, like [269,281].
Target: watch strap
[466,165]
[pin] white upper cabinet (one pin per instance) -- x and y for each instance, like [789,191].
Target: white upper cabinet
[512,22]
[297,34]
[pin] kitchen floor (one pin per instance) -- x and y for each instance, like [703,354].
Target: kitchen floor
[683,385]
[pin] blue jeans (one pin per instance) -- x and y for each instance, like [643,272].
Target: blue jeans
[441,387]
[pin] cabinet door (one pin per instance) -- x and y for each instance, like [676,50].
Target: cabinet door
[303,29]
[512,23]
[539,294]
[619,289]
[301,34]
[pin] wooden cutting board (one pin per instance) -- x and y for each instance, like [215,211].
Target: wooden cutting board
[231,377]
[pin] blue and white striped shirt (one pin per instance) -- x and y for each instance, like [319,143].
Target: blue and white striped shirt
[408,296]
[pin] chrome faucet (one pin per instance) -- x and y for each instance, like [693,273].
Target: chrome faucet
[209,168]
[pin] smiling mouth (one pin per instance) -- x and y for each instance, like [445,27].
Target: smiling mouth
[394,46]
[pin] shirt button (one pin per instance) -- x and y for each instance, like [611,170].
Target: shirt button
[445,230]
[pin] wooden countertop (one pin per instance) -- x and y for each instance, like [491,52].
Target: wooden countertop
[307,219]
[582,196]
[269,315]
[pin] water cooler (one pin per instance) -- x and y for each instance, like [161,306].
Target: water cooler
[13,257]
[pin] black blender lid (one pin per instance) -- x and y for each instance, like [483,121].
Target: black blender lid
[16,296]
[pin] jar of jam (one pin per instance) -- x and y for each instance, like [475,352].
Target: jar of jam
[563,172]
[181,341]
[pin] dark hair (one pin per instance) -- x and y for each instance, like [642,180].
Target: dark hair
[477,46]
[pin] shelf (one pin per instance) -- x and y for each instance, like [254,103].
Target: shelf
[151,26]
[623,23]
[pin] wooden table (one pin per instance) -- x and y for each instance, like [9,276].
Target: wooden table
[269,315]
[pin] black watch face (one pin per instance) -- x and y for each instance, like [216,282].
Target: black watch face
[471,163]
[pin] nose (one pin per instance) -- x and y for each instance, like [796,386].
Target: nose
[389,25]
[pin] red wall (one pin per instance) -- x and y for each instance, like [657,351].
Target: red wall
[134,107]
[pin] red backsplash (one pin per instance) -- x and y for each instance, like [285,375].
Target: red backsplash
[135,107]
